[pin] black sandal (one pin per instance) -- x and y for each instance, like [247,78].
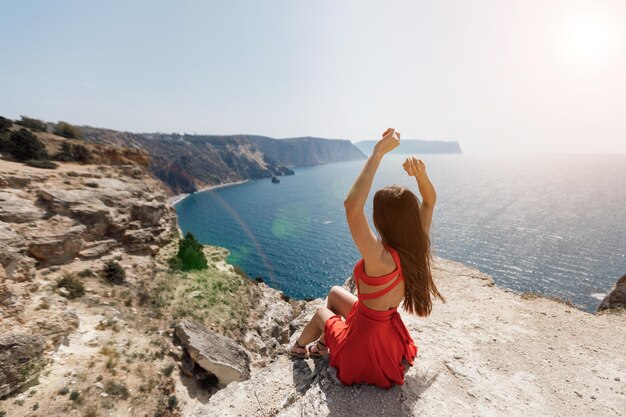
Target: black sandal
[318,354]
[296,354]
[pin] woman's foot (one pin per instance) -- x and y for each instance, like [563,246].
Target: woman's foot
[318,350]
[298,351]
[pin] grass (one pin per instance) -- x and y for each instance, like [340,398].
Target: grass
[536,295]
[91,411]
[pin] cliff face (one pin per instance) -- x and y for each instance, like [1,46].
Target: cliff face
[414,146]
[186,163]
[78,340]
[487,351]
[307,151]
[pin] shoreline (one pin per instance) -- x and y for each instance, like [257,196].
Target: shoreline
[173,200]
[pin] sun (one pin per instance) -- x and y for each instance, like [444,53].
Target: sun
[588,39]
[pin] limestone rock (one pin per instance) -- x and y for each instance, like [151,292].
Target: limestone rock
[55,240]
[55,328]
[617,297]
[149,213]
[213,352]
[14,209]
[21,359]
[17,266]
[92,250]
[82,205]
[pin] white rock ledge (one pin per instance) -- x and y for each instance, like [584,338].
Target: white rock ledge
[485,352]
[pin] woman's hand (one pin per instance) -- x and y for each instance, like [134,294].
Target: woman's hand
[414,166]
[390,141]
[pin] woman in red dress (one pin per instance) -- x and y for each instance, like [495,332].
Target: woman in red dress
[371,343]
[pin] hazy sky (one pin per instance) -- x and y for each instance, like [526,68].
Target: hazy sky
[503,76]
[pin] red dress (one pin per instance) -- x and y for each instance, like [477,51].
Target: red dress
[370,344]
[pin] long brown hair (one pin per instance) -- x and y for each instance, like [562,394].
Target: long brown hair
[397,219]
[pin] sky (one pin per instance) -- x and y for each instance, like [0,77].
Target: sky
[498,76]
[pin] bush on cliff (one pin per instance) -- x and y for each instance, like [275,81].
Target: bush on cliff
[41,164]
[23,145]
[71,152]
[190,255]
[114,273]
[32,124]
[74,286]
[67,131]
[5,124]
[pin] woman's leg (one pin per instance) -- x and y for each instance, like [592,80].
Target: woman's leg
[340,300]
[315,327]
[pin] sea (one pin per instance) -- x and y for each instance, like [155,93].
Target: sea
[554,224]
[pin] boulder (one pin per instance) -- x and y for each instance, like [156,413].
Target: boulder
[149,213]
[215,353]
[21,358]
[82,205]
[14,209]
[617,297]
[97,249]
[17,267]
[55,241]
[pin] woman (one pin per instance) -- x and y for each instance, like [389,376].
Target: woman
[370,345]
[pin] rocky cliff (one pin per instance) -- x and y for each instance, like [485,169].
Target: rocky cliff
[186,163]
[307,151]
[87,300]
[487,351]
[414,146]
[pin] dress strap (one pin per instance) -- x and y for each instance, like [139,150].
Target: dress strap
[376,294]
[360,275]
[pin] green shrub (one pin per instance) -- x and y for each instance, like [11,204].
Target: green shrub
[116,390]
[67,131]
[86,273]
[167,371]
[74,395]
[5,124]
[190,255]
[4,142]
[73,152]
[33,124]
[23,145]
[73,285]
[175,263]
[172,402]
[41,164]
[114,273]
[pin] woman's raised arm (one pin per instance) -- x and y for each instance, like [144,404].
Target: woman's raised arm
[363,236]
[416,168]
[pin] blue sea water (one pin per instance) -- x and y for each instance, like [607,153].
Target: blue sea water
[554,224]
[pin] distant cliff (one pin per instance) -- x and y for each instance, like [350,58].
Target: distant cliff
[186,163]
[307,151]
[414,146]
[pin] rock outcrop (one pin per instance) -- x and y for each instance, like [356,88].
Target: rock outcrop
[77,212]
[486,351]
[617,297]
[21,359]
[213,352]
